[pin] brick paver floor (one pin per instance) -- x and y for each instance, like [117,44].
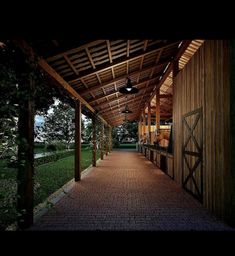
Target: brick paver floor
[127,192]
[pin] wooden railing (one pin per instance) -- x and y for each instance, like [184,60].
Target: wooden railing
[159,157]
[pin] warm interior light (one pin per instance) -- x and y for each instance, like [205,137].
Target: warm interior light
[126,110]
[128,89]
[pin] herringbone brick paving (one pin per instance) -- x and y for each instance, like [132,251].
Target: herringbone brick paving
[127,192]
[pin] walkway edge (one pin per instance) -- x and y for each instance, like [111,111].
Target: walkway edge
[43,207]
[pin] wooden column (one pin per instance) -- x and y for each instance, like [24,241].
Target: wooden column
[149,122]
[106,140]
[110,138]
[141,121]
[102,142]
[139,130]
[94,141]
[77,140]
[25,155]
[144,122]
[157,109]
[230,186]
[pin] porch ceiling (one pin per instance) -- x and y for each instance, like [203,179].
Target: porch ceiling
[96,70]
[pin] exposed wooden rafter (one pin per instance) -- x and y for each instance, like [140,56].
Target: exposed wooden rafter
[74,50]
[120,78]
[134,56]
[70,64]
[109,51]
[52,73]
[90,58]
[113,93]
[182,49]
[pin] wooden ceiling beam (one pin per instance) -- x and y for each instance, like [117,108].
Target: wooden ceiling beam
[180,52]
[113,74]
[145,44]
[159,56]
[46,67]
[109,51]
[121,116]
[90,58]
[113,93]
[75,50]
[124,103]
[121,61]
[121,104]
[30,53]
[70,64]
[120,78]
[119,98]
[128,49]
[132,106]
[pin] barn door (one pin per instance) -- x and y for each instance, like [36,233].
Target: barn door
[192,176]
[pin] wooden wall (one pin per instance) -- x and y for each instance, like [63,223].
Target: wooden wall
[204,83]
[232,125]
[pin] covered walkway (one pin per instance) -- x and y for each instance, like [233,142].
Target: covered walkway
[127,192]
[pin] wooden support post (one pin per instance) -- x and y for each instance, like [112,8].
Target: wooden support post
[94,141]
[77,140]
[106,140]
[149,122]
[102,142]
[230,182]
[157,109]
[109,146]
[142,126]
[25,155]
[144,122]
[110,138]
[139,130]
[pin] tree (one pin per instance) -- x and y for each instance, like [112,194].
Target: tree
[58,125]
[15,70]
[125,131]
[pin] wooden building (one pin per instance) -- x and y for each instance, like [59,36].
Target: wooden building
[189,84]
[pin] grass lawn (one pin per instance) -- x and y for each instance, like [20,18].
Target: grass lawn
[48,178]
[54,175]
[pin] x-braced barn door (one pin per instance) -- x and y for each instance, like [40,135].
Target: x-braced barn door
[192,174]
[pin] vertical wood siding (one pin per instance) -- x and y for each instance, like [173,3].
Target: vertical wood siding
[204,83]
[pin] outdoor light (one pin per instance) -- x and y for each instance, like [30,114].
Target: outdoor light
[125,120]
[129,89]
[126,110]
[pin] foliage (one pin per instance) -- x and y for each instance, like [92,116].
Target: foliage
[129,145]
[48,178]
[58,125]
[52,157]
[15,75]
[128,131]
[51,147]
[87,130]
[8,134]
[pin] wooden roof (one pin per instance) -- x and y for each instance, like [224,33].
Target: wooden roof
[97,70]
